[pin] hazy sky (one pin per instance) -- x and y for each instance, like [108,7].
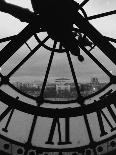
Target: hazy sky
[107,26]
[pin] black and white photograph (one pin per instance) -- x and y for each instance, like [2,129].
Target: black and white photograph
[57,77]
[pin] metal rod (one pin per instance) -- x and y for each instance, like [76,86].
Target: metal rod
[16,43]
[47,71]
[83,3]
[27,57]
[102,15]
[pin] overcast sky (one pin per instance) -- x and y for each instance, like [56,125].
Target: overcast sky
[107,26]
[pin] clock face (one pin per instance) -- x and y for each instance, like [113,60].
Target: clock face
[50,102]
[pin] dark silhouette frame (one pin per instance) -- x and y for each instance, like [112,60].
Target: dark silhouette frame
[36,22]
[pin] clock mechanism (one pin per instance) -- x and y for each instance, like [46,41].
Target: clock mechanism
[35,123]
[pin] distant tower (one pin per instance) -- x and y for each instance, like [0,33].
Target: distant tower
[94,83]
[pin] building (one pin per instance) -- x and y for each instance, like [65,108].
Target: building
[62,84]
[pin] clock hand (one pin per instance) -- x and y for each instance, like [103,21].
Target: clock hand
[26,15]
[23,14]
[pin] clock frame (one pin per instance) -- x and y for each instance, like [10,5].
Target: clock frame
[93,116]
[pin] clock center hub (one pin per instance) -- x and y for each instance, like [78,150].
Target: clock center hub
[57,17]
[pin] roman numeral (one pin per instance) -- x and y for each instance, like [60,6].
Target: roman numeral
[101,114]
[3,115]
[5,129]
[55,122]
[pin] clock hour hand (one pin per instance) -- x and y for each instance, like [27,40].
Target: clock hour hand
[23,14]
